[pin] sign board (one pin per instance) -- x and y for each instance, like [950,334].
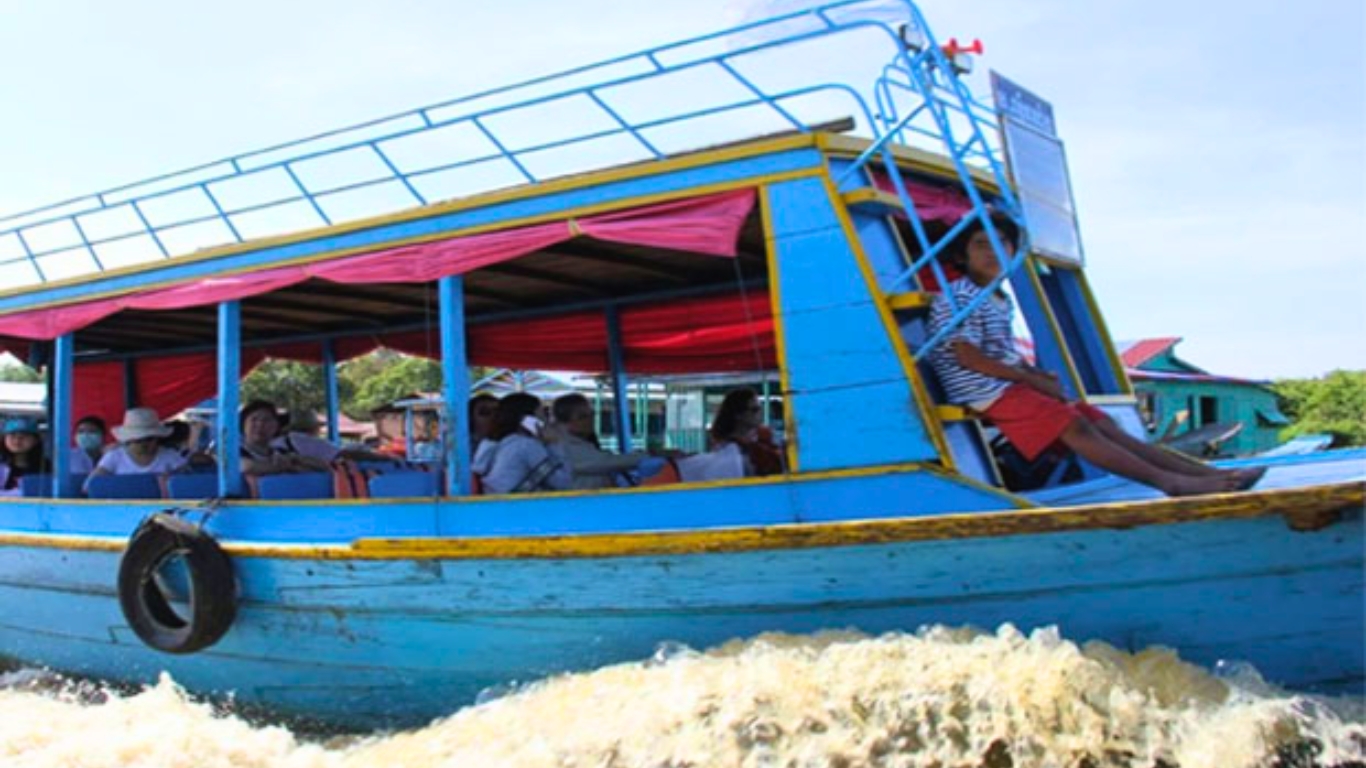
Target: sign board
[1038,164]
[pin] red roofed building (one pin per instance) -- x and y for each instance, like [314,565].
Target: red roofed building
[1177,398]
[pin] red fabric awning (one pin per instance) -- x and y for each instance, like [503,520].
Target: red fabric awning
[712,334]
[709,225]
[732,332]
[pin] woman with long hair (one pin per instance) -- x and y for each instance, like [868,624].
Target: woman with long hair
[740,421]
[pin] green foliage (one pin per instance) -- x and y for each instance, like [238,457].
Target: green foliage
[363,384]
[290,385]
[1334,404]
[17,372]
[379,381]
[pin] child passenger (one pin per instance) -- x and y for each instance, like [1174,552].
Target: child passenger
[21,453]
[979,368]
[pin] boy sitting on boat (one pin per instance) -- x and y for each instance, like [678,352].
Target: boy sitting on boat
[980,368]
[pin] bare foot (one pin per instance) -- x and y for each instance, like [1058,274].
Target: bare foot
[1248,477]
[1187,485]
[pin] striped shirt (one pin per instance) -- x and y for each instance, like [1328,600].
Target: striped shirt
[988,329]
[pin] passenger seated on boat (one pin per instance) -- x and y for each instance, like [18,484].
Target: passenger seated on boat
[262,453]
[90,437]
[140,451]
[21,453]
[520,454]
[979,368]
[300,436]
[184,439]
[593,468]
[740,422]
[483,407]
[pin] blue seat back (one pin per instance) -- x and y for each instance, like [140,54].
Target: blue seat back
[399,484]
[144,486]
[40,485]
[305,485]
[195,485]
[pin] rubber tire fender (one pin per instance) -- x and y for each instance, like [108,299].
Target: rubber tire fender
[213,586]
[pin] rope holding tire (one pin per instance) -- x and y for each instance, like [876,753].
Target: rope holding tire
[212,585]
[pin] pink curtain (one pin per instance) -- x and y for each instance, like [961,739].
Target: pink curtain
[709,225]
[931,203]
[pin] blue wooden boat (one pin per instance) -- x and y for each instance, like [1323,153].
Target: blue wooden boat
[809,253]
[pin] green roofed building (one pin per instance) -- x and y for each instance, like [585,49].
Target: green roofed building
[1197,411]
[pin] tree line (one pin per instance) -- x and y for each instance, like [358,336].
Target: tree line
[1334,404]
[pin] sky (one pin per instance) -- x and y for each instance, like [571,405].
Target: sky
[1217,148]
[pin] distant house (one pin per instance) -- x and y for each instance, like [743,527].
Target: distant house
[1177,397]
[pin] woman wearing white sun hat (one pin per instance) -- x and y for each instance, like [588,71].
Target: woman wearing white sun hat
[139,450]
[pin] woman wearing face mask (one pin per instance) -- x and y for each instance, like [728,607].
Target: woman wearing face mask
[519,455]
[89,448]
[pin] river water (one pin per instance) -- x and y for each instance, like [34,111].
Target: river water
[946,698]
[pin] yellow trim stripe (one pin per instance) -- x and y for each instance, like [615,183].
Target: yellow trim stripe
[1116,363]
[909,300]
[953,413]
[1073,375]
[924,403]
[911,158]
[791,435]
[872,197]
[1304,508]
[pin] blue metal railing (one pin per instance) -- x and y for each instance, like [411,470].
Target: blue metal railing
[926,74]
[412,158]
[381,165]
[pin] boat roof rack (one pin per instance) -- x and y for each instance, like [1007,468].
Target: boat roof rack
[706,91]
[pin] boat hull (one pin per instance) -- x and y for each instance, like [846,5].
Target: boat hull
[394,641]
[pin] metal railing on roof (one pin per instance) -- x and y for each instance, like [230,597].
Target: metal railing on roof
[625,109]
[596,117]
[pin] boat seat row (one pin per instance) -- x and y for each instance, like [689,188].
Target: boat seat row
[204,485]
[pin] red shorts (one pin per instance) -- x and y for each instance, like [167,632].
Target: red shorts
[1032,421]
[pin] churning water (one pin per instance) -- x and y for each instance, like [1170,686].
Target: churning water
[941,697]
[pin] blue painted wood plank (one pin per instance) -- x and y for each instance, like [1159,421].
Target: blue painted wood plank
[901,493]
[330,637]
[851,401]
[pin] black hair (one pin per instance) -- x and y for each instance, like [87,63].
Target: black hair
[482,397]
[259,405]
[728,415]
[565,405]
[93,420]
[511,410]
[34,461]
[957,252]
[180,433]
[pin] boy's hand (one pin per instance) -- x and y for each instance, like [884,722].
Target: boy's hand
[1047,383]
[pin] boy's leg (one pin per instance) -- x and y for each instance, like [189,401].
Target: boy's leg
[1096,447]
[1174,461]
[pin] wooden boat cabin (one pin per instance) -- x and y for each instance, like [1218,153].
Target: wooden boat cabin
[686,210]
